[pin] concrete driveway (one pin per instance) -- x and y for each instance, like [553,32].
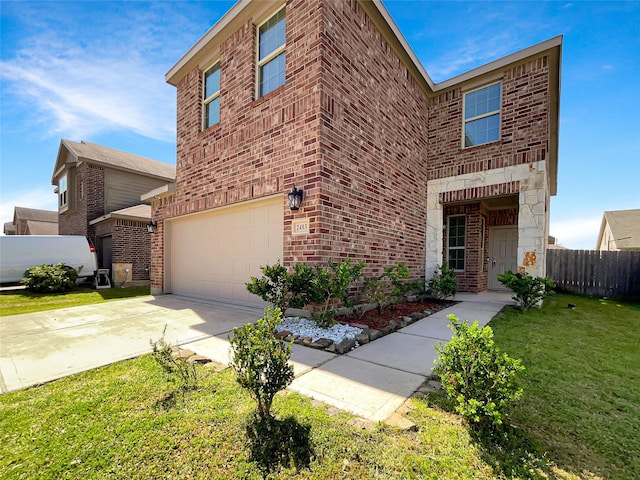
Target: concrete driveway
[44,346]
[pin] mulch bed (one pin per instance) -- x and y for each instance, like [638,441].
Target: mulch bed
[376,320]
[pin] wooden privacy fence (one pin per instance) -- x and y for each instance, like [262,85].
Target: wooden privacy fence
[593,272]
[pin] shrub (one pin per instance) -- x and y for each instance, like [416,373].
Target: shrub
[401,288]
[260,360]
[395,289]
[281,288]
[475,375]
[443,283]
[528,290]
[177,367]
[332,283]
[48,278]
[375,291]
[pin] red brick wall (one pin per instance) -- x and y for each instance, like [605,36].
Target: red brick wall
[261,146]
[524,125]
[374,146]
[88,202]
[132,244]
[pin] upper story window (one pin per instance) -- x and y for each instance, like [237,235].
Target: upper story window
[456,231]
[62,191]
[271,53]
[482,115]
[212,96]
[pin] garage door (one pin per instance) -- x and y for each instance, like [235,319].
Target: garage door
[212,255]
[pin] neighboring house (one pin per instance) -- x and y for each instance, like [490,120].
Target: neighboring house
[620,230]
[9,228]
[97,188]
[327,96]
[32,221]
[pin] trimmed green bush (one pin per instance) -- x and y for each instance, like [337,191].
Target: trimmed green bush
[333,283]
[529,291]
[475,375]
[260,360]
[443,283]
[281,288]
[49,278]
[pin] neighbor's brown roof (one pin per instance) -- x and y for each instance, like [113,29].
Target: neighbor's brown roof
[42,228]
[23,213]
[137,212]
[110,157]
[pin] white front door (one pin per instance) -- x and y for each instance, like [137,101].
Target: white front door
[503,253]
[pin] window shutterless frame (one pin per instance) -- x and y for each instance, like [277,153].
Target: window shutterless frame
[456,241]
[211,96]
[271,53]
[62,191]
[481,115]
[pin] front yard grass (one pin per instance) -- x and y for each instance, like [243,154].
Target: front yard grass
[14,302]
[579,418]
[581,399]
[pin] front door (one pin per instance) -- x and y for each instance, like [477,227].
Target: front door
[503,253]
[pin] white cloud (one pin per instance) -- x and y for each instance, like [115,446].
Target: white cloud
[40,198]
[78,88]
[469,55]
[581,234]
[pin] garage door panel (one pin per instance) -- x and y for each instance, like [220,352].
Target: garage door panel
[213,254]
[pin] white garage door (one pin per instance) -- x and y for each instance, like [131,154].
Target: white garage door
[212,255]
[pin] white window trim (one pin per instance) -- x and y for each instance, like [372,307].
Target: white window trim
[63,193]
[464,267]
[478,117]
[483,231]
[271,56]
[210,98]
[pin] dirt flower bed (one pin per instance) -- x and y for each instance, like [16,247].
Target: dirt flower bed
[396,312]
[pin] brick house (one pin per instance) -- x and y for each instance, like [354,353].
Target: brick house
[99,191]
[327,96]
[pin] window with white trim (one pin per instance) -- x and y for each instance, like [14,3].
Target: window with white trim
[211,96]
[271,53]
[62,191]
[482,115]
[456,231]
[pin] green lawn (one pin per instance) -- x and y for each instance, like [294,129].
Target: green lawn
[14,302]
[577,418]
[582,384]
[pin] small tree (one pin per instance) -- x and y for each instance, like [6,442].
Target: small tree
[480,379]
[48,278]
[260,360]
[528,290]
[332,283]
[443,283]
[281,288]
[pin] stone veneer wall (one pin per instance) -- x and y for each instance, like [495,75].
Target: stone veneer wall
[533,216]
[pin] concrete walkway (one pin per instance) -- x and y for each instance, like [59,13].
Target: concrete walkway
[371,381]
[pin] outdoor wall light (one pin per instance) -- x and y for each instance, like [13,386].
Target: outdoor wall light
[295,198]
[151,226]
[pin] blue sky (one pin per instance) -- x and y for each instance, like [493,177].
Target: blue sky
[95,70]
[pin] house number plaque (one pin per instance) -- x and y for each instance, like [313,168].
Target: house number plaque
[300,226]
